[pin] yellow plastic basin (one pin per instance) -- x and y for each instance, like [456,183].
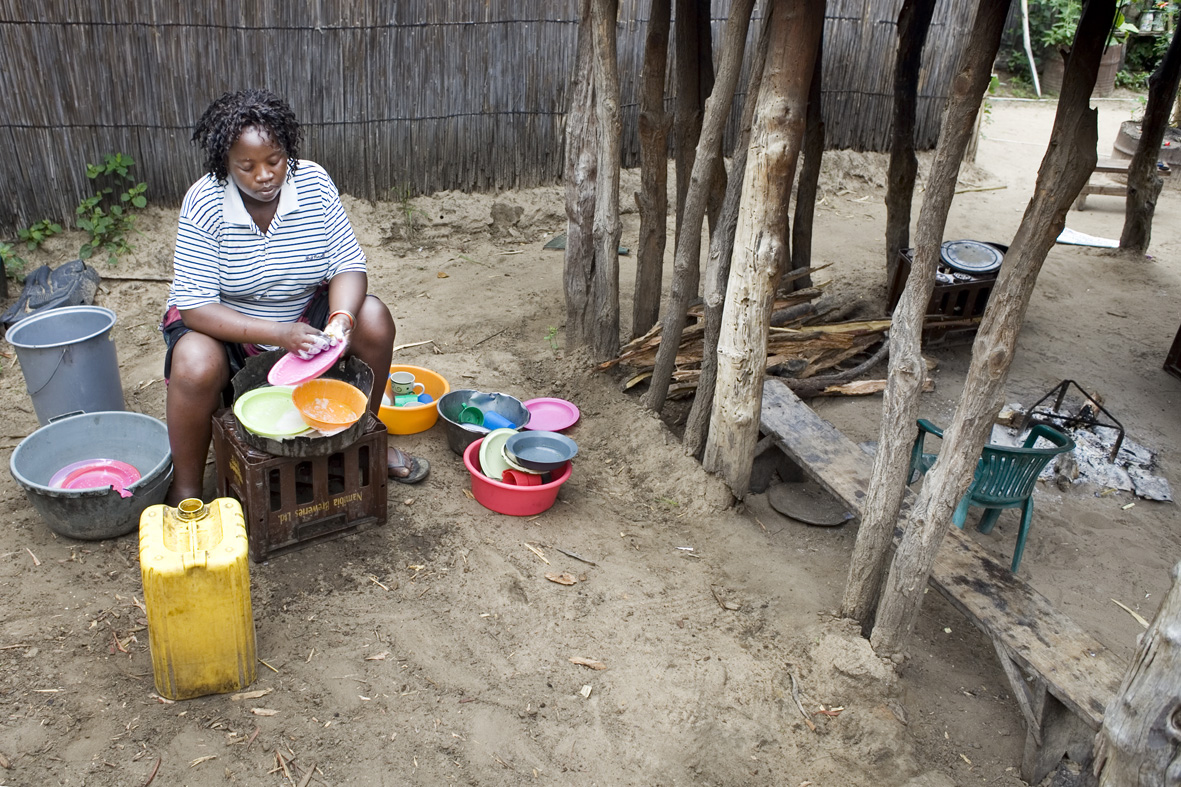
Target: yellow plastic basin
[415,418]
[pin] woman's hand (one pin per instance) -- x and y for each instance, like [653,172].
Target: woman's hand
[301,339]
[339,328]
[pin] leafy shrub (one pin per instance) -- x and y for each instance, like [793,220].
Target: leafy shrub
[107,218]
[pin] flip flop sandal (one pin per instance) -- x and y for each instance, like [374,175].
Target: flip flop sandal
[419,469]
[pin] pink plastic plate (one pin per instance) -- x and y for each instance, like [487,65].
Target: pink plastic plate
[293,370]
[96,474]
[56,481]
[551,415]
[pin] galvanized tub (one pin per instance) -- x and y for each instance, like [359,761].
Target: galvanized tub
[460,436]
[92,514]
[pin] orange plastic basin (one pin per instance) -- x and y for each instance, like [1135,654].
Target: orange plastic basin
[329,405]
[415,418]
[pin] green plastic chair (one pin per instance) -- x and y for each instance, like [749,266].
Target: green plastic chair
[1005,477]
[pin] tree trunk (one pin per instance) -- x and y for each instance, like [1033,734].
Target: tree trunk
[1141,736]
[717,269]
[691,17]
[702,80]
[652,199]
[1067,165]
[760,239]
[582,165]
[1144,184]
[914,20]
[688,245]
[900,404]
[607,227]
[806,189]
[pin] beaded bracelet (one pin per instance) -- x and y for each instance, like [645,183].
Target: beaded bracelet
[352,320]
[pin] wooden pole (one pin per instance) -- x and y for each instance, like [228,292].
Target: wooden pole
[691,15]
[914,20]
[582,166]
[652,199]
[717,268]
[607,226]
[1069,160]
[809,180]
[688,245]
[900,404]
[1140,741]
[760,242]
[1144,183]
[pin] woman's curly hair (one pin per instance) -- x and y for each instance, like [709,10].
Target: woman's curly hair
[224,120]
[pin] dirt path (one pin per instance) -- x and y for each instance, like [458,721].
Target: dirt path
[434,651]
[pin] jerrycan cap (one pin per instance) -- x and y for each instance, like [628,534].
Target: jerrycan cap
[191,509]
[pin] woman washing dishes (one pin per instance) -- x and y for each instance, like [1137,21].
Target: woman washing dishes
[265,257]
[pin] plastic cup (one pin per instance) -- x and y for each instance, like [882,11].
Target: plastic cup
[471,415]
[425,398]
[494,420]
[520,478]
[403,383]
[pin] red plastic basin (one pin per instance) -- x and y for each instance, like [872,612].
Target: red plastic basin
[506,498]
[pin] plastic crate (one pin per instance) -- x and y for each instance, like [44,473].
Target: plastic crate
[290,502]
[954,310]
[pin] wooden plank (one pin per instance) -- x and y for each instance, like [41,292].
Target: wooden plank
[1104,189]
[1078,670]
[1113,165]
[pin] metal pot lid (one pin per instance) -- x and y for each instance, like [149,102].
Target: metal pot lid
[971,256]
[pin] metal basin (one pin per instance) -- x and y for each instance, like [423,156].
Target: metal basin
[460,436]
[92,514]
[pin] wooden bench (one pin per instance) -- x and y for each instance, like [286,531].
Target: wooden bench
[1110,166]
[1062,677]
[1116,166]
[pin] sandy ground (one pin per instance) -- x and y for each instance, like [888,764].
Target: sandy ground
[432,650]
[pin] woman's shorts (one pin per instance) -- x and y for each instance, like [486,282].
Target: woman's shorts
[173,327]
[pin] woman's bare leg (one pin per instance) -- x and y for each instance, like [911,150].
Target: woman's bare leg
[373,342]
[200,371]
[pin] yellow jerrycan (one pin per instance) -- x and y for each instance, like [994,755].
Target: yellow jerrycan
[193,559]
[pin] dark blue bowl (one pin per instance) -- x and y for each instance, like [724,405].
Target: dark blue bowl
[540,451]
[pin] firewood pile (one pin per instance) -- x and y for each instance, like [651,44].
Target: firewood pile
[815,357]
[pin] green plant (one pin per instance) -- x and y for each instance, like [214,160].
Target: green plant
[14,264]
[107,218]
[406,210]
[1065,15]
[1138,111]
[551,336]
[1132,80]
[40,232]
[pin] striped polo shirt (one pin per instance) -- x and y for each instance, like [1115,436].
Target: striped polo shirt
[222,257]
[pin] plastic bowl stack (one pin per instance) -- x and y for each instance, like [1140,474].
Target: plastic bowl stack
[546,457]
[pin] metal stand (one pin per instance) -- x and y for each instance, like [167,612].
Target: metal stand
[1086,417]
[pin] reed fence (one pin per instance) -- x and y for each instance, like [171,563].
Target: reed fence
[395,97]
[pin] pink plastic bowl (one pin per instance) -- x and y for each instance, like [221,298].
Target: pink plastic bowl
[506,498]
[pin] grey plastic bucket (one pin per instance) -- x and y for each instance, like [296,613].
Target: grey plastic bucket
[90,514]
[68,359]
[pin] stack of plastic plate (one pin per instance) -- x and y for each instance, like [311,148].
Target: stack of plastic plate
[270,412]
